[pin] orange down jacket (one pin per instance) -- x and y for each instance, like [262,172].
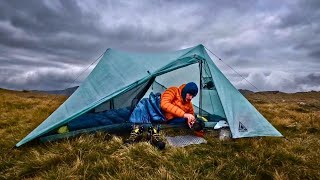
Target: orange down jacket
[173,105]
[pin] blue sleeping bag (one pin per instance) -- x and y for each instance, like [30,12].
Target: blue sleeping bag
[104,118]
[148,110]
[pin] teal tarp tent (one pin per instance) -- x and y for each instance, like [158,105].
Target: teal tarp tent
[120,76]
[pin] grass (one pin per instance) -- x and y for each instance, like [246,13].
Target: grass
[103,156]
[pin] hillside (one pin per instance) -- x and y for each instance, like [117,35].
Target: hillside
[66,92]
[103,156]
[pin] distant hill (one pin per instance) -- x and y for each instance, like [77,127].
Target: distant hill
[66,92]
[245,91]
[269,92]
[70,91]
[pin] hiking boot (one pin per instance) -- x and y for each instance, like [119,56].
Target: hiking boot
[154,138]
[135,135]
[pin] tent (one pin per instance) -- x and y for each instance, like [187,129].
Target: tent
[122,77]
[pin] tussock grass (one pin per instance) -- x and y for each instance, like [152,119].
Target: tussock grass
[103,156]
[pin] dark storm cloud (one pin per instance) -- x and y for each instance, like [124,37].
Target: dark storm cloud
[278,81]
[301,13]
[311,79]
[304,16]
[34,16]
[39,29]
[40,79]
[44,44]
[312,47]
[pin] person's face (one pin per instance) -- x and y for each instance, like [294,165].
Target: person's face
[188,97]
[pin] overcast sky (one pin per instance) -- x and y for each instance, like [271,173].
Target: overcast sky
[275,45]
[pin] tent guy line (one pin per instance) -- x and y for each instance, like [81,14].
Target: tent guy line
[232,68]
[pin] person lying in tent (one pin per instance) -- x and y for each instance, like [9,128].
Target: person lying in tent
[176,106]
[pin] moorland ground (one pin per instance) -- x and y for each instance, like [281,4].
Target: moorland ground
[103,156]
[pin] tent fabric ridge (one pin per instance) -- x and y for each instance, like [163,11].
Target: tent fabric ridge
[166,70]
[156,72]
[188,51]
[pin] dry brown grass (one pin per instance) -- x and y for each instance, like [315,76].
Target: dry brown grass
[103,156]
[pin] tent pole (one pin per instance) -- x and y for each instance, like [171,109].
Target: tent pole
[200,93]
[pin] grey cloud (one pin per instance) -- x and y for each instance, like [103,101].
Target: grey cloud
[39,39]
[311,79]
[302,13]
[280,81]
[312,48]
[43,79]
[302,22]
[315,54]
[40,27]
[37,15]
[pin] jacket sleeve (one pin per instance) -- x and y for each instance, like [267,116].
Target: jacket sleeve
[166,103]
[191,110]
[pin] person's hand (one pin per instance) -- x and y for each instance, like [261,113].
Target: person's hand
[191,119]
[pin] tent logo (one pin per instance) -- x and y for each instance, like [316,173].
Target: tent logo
[242,128]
